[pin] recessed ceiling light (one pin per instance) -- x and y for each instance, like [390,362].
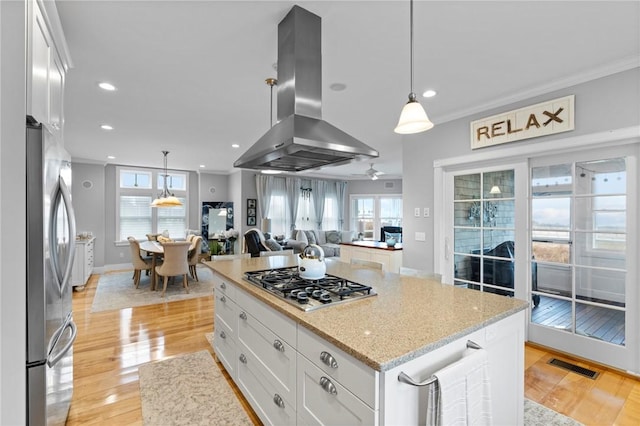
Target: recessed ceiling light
[338,87]
[106,127]
[202,166]
[429,93]
[235,145]
[111,157]
[107,86]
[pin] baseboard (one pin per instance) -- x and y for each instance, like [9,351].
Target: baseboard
[113,267]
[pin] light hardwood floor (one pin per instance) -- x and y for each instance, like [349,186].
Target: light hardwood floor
[112,345]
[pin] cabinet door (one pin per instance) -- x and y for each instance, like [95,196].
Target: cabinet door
[38,83]
[323,401]
[56,86]
[274,358]
[271,407]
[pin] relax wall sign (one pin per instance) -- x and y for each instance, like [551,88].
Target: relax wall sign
[542,119]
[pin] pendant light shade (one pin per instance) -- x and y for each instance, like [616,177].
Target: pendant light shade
[413,118]
[166,199]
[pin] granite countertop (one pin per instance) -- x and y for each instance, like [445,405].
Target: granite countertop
[373,244]
[409,317]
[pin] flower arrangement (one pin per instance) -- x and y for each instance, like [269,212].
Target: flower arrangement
[231,234]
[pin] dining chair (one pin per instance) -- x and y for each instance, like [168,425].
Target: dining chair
[411,272]
[366,263]
[231,256]
[194,255]
[139,263]
[175,263]
[153,237]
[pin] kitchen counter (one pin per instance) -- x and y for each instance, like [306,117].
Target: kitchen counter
[408,318]
[379,245]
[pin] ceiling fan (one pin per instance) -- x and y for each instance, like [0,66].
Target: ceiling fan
[371,173]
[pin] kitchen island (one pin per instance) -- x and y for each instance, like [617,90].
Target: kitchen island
[340,364]
[374,251]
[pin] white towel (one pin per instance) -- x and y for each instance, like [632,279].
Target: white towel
[465,391]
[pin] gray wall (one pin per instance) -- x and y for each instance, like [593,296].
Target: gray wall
[89,204]
[603,104]
[380,186]
[214,187]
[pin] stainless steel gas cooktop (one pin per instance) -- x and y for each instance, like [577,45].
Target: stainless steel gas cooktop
[286,284]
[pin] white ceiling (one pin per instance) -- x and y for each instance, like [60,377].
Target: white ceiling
[190,74]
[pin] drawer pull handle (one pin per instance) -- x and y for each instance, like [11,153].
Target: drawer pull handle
[243,359]
[243,315]
[328,359]
[277,399]
[278,345]
[223,335]
[328,386]
[223,286]
[223,299]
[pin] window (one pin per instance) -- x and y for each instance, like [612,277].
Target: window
[371,212]
[134,215]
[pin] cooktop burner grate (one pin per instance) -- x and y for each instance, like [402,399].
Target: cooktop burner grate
[306,294]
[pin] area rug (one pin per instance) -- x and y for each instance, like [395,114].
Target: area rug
[188,390]
[539,415]
[117,291]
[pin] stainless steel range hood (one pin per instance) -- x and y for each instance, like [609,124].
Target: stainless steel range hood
[301,140]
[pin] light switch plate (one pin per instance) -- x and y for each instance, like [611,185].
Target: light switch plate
[416,212]
[426,212]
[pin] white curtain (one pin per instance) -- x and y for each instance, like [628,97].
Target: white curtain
[264,187]
[318,192]
[292,186]
[341,191]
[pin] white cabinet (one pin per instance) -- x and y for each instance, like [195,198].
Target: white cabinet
[256,346]
[46,66]
[83,263]
[333,387]
[391,259]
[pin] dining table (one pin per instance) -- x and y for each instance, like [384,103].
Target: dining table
[157,252]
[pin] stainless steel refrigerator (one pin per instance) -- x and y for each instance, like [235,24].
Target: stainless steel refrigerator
[50,253]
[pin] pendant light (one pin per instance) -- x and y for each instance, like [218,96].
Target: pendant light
[413,118]
[166,199]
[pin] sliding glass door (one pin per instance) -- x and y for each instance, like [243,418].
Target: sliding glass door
[581,211]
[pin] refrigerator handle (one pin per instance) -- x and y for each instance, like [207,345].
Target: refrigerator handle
[71,218]
[51,361]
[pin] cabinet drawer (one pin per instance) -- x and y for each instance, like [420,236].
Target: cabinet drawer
[272,407]
[226,311]
[322,400]
[224,346]
[222,285]
[274,357]
[348,371]
[284,327]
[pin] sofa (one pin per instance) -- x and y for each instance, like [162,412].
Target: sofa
[329,241]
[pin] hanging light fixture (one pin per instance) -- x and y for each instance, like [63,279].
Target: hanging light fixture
[166,199]
[413,118]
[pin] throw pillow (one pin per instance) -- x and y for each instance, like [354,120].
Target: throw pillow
[272,245]
[396,235]
[311,237]
[348,236]
[334,237]
[302,237]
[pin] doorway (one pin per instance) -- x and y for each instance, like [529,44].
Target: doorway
[582,213]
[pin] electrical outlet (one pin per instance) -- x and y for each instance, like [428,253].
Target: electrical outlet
[426,212]
[121,255]
[416,212]
[421,236]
